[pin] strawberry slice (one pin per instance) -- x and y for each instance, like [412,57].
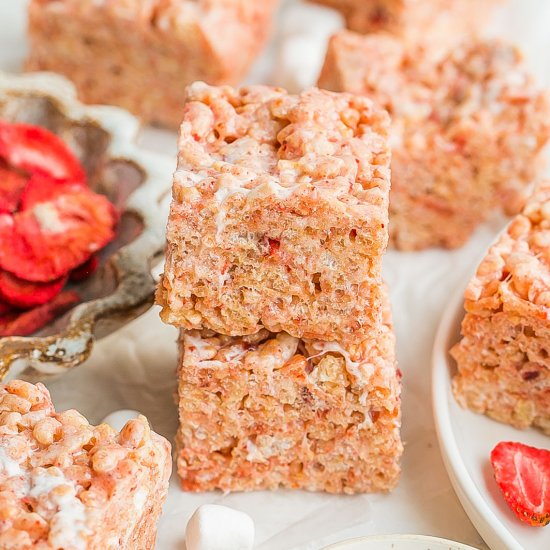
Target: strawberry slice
[5,308]
[50,239]
[87,269]
[6,322]
[41,188]
[23,294]
[29,322]
[12,185]
[37,150]
[523,475]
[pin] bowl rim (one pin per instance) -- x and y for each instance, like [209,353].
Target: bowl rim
[399,538]
[132,263]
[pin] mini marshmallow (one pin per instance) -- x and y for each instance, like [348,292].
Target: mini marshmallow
[214,527]
[299,62]
[117,419]
[305,18]
[301,51]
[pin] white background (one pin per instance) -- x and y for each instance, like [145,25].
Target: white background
[135,368]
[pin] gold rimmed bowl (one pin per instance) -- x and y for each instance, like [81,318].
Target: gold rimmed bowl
[136,182]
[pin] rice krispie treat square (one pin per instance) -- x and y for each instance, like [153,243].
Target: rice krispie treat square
[447,20]
[140,54]
[279,214]
[271,410]
[67,484]
[467,130]
[503,357]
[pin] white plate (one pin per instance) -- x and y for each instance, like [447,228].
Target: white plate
[466,440]
[399,542]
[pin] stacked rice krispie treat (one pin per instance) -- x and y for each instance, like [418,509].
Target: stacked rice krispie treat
[503,357]
[140,54]
[67,484]
[271,410]
[279,216]
[441,22]
[277,227]
[467,133]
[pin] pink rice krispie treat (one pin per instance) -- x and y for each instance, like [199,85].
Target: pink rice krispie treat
[271,410]
[67,485]
[279,214]
[467,130]
[140,54]
[504,355]
[446,20]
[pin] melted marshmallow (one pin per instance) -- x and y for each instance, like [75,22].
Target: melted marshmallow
[8,465]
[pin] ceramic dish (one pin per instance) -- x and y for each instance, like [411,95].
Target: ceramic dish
[466,440]
[134,180]
[399,542]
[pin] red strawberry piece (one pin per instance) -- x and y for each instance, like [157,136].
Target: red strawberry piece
[24,294]
[87,269]
[5,308]
[6,321]
[31,321]
[37,150]
[41,188]
[523,475]
[11,188]
[50,239]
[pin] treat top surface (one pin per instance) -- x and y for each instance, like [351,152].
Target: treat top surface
[174,15]
[478,80]
[516,268]
[58,473]
[263,140]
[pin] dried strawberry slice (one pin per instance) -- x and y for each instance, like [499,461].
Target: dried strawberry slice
[24,294]
[523,475]
[12,185]
[6,321]
[37,150]
[5,308]
[50,239]
[41,188]
[29,322]
[87,269]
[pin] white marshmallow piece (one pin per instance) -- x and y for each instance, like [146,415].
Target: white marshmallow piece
[117,419]
[215,527]
[302,45]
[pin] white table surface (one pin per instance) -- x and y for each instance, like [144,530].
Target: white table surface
[135,368]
